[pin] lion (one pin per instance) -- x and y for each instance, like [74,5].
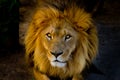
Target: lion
[60,43]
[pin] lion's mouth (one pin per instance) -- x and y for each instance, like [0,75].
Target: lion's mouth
[59,61]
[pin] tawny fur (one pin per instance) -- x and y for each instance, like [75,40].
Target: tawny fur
[86,43]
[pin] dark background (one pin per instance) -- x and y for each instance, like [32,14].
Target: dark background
[107,18]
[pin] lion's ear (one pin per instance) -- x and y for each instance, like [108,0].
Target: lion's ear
[79,17]
[44,14]
[81,27]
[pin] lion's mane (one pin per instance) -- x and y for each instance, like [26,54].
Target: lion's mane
[82,55]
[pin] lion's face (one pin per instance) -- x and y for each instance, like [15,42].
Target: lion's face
[59,40]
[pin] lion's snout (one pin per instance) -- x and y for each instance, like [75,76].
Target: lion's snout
[56,54]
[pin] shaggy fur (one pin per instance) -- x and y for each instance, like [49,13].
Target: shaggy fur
[78,50]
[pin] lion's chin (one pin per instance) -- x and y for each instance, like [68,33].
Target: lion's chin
[58,64]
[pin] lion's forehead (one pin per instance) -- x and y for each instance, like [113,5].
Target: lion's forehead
[60,29]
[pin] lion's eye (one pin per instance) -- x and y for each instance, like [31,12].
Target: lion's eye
[67,37]
[48,35]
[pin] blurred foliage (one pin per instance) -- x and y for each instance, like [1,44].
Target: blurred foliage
[9,20]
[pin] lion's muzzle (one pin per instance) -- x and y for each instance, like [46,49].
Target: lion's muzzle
[56,60]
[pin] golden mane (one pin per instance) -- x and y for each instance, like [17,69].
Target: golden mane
[84,53]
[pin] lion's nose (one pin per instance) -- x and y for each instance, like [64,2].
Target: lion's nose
[56,54]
